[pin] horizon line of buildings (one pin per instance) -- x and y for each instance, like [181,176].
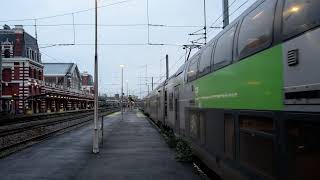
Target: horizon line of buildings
[29,86]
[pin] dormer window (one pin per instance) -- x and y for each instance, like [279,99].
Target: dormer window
[7,49]
[29,53]
[7,53]
[32,55]
[39,57]
[35,56]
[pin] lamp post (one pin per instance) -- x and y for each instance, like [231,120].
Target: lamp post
[95,128]
[122,66]
[127,88]
[1,77]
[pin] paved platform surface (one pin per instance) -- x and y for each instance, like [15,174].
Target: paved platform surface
[132,149]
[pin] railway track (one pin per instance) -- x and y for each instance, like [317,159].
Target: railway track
[17,135]
[14,119]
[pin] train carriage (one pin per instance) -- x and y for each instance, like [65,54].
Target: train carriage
[250,99]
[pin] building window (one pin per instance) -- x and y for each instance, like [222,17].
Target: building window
[60,81]
[36,56]
[30,72]
[299,16]
[256,29]
[6,75]
[35,74]
[27,53]
[40,75]
[32,55]
[7,53]
[224,48]
[11,89]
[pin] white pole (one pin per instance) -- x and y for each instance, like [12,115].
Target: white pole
[122,66]
[95,128]
[127,88]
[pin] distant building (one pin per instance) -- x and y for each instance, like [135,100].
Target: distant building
[23,89]
[65,75]
[22,70]
[87,82]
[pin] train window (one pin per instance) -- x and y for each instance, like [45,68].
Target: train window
[229,136]
[194,125]
[180,70]
[223,50]
[165,104]
[262,124]
[171,101]
[193,68]
[257,152]
[299,16]
[256,29]
[256,143]
[304,150]
[202,127]
[205,60]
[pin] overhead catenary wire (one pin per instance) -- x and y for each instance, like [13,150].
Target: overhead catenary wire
[216,20]
[67,14]
[51,57]
[234,11]
[106,44]
[112,25]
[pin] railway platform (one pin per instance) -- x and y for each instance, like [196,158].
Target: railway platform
[132,149]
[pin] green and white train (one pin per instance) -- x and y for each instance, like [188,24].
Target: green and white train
[249,101]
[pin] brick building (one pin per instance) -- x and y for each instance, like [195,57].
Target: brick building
[24,89]
[63,88]
[66,75]
[22,70]
[87,82]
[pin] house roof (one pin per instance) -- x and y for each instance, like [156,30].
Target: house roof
[28,41]
[58,69]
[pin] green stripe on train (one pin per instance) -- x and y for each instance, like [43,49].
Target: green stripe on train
[253,83]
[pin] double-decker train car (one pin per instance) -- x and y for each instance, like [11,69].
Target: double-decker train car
[249,101]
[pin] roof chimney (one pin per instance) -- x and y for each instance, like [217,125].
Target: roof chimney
[18,26]
[6,27]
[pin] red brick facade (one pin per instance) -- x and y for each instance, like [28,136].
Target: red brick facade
[23,86]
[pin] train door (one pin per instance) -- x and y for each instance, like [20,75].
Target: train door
[158,107]
[176,110]
[165,106]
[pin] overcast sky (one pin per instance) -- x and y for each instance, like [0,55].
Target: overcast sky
[111,54]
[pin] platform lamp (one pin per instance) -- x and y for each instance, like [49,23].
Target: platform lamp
[122,66]
[0,77]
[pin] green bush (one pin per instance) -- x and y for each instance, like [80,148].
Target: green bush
[184,151]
